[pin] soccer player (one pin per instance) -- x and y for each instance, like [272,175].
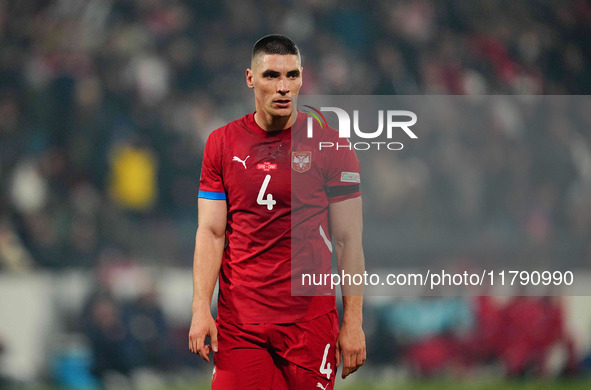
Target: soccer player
[269,201]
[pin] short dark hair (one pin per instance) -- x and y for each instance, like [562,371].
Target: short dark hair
[275,44]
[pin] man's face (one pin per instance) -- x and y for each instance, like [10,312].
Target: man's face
[276,80]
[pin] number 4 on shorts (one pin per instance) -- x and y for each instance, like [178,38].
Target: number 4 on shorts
[325,367]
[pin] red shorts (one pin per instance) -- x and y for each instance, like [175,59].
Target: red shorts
[276,356]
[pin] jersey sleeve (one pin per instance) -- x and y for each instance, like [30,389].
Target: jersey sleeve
[343,175]
[211,184]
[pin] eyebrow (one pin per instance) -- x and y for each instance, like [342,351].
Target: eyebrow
[274,73]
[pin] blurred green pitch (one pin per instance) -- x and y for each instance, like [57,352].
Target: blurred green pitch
[444,384]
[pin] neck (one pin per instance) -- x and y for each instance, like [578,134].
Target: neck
[272,123]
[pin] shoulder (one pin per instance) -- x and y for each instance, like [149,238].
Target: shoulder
[228,130]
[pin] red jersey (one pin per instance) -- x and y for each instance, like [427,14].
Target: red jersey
[277,186]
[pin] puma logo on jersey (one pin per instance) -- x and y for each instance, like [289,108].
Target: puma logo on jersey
[322,387]
[241,161]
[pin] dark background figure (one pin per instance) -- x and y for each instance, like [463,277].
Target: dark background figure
[112,349]
[148,333]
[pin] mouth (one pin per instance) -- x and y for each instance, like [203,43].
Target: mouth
[282,103]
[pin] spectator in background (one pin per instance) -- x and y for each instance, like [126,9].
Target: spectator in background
[429,332]
[480,345]
[133,177]
[532,327]
[125,325]
[108,336]
[148,332]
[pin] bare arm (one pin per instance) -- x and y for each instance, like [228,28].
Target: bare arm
[347,227]
[209,246]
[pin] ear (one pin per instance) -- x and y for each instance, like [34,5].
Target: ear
[249,75]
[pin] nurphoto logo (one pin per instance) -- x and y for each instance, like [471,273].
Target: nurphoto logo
[395,120]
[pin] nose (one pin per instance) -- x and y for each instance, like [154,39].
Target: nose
[282,86]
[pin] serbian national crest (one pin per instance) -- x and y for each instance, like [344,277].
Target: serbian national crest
[301,161]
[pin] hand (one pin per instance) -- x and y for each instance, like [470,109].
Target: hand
[351,344]
[203,325]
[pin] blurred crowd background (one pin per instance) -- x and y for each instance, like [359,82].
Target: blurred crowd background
[105,106]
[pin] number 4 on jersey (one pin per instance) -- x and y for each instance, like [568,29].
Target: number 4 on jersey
[269,202]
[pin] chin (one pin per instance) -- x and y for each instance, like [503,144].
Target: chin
[281,112]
